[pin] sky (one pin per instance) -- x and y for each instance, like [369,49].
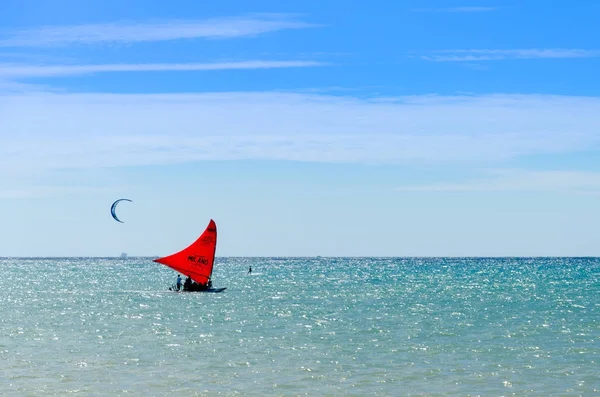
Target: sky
[303,128]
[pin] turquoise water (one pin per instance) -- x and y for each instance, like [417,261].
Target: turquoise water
[302,327]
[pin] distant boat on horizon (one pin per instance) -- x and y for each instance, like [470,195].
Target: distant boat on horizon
[123,255]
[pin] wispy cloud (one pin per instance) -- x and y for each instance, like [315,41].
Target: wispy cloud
[132,32]
[496,55]
[95,130]
[521,180]
[13,71]
[7,86]
[456,9]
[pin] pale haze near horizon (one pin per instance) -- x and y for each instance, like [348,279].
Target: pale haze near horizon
[298,131]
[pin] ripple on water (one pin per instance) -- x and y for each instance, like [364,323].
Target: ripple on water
[302,326]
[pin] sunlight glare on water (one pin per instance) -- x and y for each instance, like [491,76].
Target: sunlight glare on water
[302,326]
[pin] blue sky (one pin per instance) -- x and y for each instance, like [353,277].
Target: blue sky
[414,128]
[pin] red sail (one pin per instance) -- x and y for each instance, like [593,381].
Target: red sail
[196,260]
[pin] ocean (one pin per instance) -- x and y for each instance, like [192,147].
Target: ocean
[302,327]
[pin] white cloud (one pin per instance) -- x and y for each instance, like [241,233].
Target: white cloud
[456,9]
[14,86]
[131,32]
[94,130]
[521,180]
[11,71]
[496,55]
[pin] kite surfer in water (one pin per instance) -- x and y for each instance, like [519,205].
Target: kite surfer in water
[249,269]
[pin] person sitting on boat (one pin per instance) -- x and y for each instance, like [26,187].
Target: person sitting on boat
[202,286]
[178,282]
[188,283]
[196,286]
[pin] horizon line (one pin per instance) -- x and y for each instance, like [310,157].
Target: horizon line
[320,256]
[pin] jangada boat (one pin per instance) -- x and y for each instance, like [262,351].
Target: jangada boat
[196,262]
